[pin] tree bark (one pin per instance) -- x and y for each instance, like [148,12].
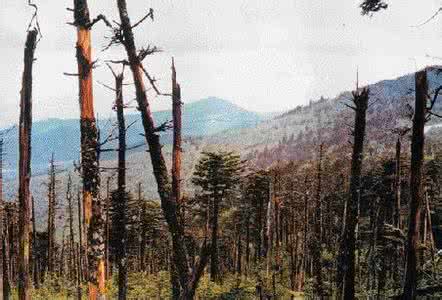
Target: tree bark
[176,165]
[93,215]
[35,256]
[348,247]
[397,185]
[214,240]
[416,186]
[51,215]
[316,253]
[73,269]
[80,237]
[5,261]
[123,206]
[188,279]
[24,193]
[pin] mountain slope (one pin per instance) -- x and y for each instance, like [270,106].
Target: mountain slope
[201,118]
[294,135]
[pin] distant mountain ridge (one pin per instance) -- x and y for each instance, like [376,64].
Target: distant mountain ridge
[295,134]
[62,136]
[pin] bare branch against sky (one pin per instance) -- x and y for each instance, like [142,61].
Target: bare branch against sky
[244,51]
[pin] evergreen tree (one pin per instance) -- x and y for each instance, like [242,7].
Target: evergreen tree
[218,176]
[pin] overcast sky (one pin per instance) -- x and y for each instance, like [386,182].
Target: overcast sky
[264,55]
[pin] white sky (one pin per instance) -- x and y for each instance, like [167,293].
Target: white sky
[264,55]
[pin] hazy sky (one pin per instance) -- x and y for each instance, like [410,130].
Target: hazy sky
[264,55]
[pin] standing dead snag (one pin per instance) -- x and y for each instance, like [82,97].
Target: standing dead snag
[346,263]
[176,164]
[188,279]
[177,125]
[316,251]
[51,214]
[24,171]
[89,157]
[416,186]
[120,198]
[73,271]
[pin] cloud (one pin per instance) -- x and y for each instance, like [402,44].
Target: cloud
[263,55]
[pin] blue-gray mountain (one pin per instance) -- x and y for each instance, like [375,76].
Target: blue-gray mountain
[62,136]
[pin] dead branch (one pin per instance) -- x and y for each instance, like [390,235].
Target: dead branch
[123,61]
[135,146]
[164,127]
[152,80]
[436,94]
[143,53]
[130,125]
[105,85]
[100,17]
[34,18]
[430,18]
[349,106]
[71,74]
[148,15]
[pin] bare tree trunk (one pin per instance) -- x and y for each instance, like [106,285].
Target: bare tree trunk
[416,186]
[316,253]
[24,193]
[153,140]
[141,231]
[188,280]
[397,185]
[79,272]
[348,247]
[80,237]
[176,166]
[93,216]
[269,228]
[247,244]
[73,269]
[239,253]
[35,256]
[305,232]
[123,205]
[214,240]
[51,215]
[5,261]
[107,229]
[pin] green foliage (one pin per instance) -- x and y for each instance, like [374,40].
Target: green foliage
[217,173]
[55,287]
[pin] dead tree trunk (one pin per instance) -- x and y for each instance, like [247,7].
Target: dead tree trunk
[51,215]
[35,256]
[89,155]
[188,280]
[73,269]
[397,184]
[316,251]
[25,166]
[5,259]
[123,205]
[80,237]
[348,247]
[416,186]
[176,166]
